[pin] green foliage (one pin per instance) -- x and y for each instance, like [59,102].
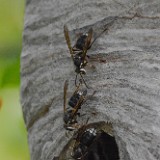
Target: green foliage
[11,22]
[10,69]
[13,135]
[11,26]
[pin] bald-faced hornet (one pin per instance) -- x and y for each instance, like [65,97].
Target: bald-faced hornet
[75,103]
[84,139]
[92,143]
[78,52]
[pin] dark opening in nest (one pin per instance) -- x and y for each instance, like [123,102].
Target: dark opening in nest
[104,147]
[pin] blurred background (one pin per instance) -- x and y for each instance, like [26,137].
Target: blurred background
[13,135]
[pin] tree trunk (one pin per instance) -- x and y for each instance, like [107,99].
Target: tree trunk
[127,86]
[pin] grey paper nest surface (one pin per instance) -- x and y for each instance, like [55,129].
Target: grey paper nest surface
[128,89]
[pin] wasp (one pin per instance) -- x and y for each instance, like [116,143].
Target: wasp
[84,138]
[78,51]
[95,142]
[75,102]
